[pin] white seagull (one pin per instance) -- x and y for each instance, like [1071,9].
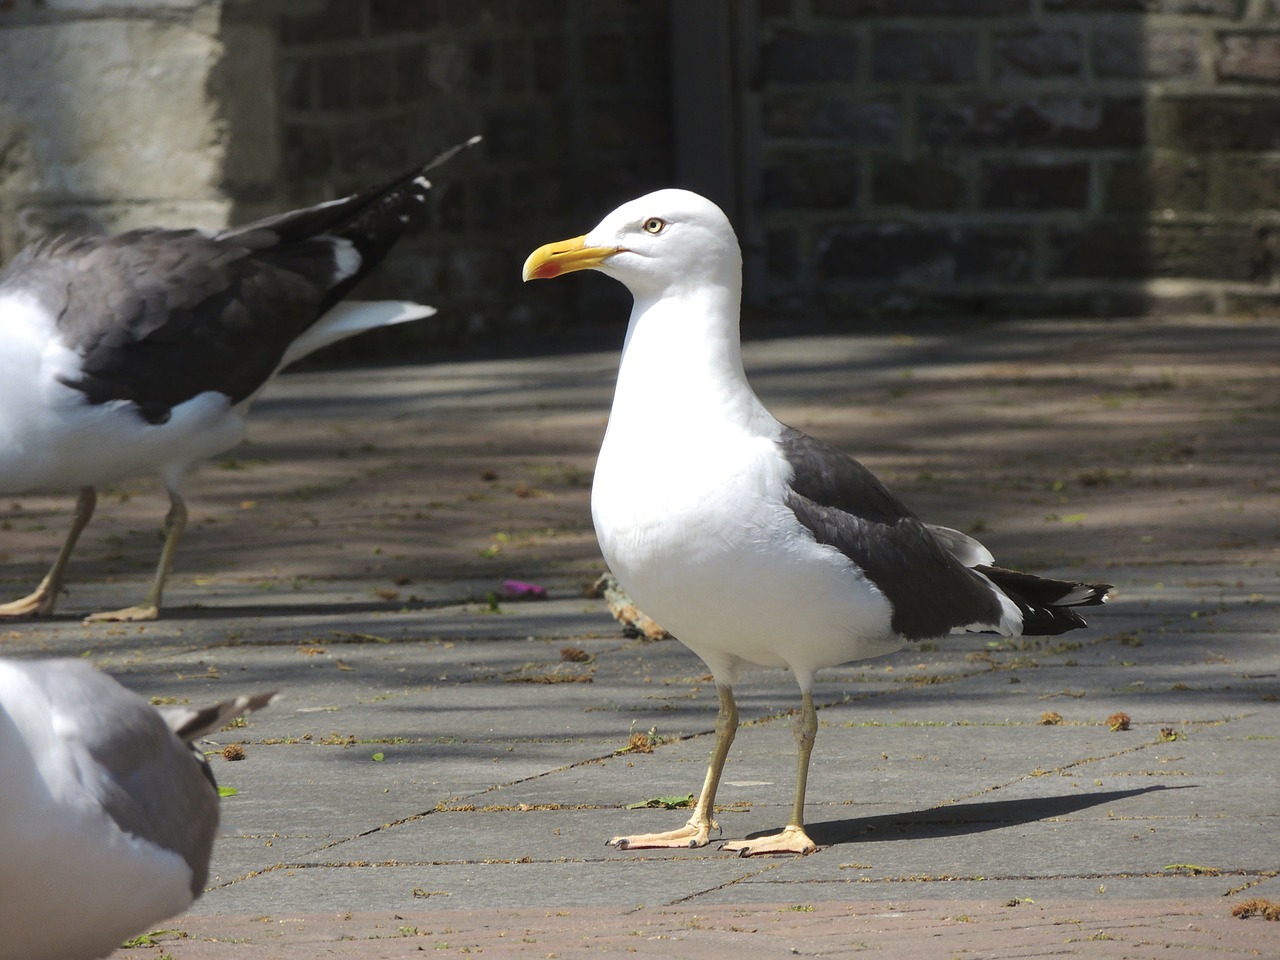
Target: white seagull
[751,541]
[142,352]
[107,812]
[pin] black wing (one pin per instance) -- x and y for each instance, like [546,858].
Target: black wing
[160,316]
[844,506]
[921,571]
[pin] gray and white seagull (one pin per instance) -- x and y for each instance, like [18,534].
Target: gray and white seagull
[108,813]
[141,353]
[751,541]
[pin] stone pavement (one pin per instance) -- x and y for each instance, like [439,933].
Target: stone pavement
[447,762]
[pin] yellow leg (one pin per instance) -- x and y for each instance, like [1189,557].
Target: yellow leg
[174,523]
[793,838]
[697,832]
[40,602]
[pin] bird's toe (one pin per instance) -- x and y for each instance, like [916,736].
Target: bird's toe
[142,613]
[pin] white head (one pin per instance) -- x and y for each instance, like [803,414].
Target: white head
[656,245]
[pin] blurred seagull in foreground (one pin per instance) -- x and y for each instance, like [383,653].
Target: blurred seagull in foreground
[107,811]
[747,539]
[142,352]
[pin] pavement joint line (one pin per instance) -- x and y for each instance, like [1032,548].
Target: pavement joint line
[1016,878]
[533,778]
[765,867]
[245,876]
[1262,877]
[411,818]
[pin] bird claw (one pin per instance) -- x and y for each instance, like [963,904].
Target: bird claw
[37,604]
[690,836]
[791,839]
[141,613]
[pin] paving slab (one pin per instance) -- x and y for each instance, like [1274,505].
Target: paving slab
[446,762]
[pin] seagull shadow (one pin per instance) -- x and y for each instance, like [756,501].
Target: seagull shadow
[960,819]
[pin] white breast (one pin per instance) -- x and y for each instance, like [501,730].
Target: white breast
[694,525]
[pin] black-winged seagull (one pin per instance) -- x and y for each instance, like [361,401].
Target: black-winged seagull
[108,813]
[753,542]
[142,352]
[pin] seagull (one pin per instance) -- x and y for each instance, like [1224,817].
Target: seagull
[751,541]
[108,812]
[142,352]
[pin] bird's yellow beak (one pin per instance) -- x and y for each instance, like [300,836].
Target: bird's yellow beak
[565,256]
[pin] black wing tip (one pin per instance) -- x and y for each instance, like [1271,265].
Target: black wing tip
[416,182]
[1089,595]
[1048,606]
[190,725]
[448,154]
[374,220]
[1049,621]
[414,187]
[1048,591]
[362,217]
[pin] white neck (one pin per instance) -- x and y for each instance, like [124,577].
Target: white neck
[682,364]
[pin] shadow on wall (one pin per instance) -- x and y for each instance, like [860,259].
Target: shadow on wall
[1095,158]
[572,98]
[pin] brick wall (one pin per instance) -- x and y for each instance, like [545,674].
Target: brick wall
[1044,156]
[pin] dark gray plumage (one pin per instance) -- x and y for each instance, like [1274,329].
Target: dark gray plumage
[163,315]
[914,564]
[108,813]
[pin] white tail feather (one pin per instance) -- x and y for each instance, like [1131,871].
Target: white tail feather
[1010,624]
[349,317]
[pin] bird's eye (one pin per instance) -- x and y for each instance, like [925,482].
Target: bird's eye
[655,225]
